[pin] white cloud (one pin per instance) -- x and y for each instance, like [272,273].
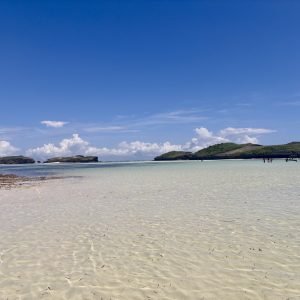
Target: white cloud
[72,146]
[76,145]
[246,139]
[142,150]
[244,135]
[54,124]
[7,149]
[133,150]
[172,117]
[105,129]
[204,138]
[230,131]
[108,129]
[151,148]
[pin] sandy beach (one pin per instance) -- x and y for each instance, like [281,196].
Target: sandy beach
[218,230]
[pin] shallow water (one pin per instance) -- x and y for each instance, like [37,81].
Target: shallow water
[179,230]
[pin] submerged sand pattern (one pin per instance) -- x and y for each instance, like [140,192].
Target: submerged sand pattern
[219,230]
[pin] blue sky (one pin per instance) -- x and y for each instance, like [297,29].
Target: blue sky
[148,72]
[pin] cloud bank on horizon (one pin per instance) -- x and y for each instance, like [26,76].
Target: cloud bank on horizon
[138,149]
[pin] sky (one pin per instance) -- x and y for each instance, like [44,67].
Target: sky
[132,79]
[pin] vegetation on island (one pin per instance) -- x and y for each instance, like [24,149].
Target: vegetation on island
[10,160]
[235,151]
[175,155]
[73,159]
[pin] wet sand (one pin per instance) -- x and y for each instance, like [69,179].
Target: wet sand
[9,181]
[169,232]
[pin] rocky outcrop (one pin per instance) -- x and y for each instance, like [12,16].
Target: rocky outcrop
[73,159]
[10,160]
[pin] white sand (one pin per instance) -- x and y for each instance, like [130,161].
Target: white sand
[172,231]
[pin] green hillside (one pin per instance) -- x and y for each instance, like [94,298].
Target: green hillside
[276,151]
[175,155]
[236,151]
[217,149]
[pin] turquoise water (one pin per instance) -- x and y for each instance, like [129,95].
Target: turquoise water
[61,168]
[93,168]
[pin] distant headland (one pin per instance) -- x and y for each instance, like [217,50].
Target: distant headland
[236,151]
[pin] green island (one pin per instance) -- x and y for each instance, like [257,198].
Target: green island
[73,159]
[236,151]
[10,160]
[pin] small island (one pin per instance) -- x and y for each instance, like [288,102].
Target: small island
[15,160]
[73,159]
[235,151]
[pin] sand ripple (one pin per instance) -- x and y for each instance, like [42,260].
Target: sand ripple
[180,231]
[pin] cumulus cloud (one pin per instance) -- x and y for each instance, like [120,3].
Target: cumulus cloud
[54,124]
[6,148]
[205,138]
[151,148]
[142,150]
[244,135]
[76,145]
[246,139]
